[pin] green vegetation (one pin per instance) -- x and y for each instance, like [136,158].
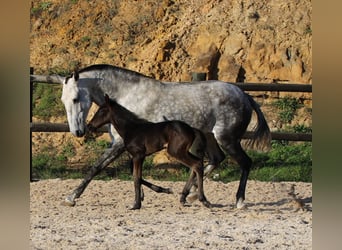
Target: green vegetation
[285,162]
[46,101]
[50,164]
[288,107]
[308,30]
[41,7]
[300,128]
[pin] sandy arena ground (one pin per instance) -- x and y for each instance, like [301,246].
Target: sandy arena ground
[101,219]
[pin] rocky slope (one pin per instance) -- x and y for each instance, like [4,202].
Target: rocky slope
[237,40]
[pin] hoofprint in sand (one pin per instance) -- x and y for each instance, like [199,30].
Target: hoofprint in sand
[278,215]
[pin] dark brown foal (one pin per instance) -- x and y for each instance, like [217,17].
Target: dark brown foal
[142,138]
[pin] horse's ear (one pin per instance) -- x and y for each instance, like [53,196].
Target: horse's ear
[76,76]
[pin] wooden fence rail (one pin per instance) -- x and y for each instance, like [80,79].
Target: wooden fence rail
[64,127]
[280,87]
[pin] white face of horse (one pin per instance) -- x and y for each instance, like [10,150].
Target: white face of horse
[76,100]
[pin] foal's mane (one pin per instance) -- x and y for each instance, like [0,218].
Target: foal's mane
[126,114]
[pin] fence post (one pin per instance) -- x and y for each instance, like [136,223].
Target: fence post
[31,101]
[195,76]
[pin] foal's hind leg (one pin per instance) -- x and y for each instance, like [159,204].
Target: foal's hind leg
[156,188]
[214,153]
[137,177]
[196,170]
[199,175]
[215,156]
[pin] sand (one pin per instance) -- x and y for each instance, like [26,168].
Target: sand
[101,219]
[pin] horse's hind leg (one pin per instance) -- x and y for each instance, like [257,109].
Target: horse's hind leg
[109,156]
[235,150]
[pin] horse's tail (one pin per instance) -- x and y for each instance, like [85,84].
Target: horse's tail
[262,134]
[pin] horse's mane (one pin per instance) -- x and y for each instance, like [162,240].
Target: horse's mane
[95,67]
[126,114]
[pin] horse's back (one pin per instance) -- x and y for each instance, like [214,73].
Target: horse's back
[206,104]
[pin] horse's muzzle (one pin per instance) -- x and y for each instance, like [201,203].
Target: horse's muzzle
[79,133]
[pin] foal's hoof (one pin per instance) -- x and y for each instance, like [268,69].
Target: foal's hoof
[68,202]
[135,207]
[185,204]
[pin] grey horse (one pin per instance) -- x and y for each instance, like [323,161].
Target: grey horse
[215,107]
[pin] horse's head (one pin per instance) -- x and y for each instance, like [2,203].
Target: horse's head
[77,102]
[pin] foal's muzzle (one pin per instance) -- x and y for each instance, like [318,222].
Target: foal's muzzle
[91,128]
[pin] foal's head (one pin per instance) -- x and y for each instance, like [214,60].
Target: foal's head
[101,117]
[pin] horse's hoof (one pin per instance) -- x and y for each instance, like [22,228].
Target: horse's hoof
[68,202]
[240,204]
[207,204]
[208,169]
[169,191]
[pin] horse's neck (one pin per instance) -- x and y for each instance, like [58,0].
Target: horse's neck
[122,89]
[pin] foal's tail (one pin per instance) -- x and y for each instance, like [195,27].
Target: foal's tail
[262,134]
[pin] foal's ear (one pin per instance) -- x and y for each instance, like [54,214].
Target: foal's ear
[107,98]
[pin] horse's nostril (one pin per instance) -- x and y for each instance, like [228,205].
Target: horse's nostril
[79,133]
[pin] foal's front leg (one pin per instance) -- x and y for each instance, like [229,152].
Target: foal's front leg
[187,187]
[137,177]
[201,196]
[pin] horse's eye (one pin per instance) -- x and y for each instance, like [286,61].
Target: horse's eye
[75,100]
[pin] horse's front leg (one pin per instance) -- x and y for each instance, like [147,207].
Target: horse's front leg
[137,177]
[109,156]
